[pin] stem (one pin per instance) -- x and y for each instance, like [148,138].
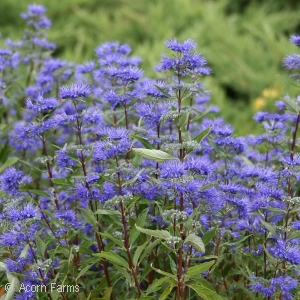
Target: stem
[49,170]
[39,270]
[294,137]
[99,241]
[265,246]
[134,270]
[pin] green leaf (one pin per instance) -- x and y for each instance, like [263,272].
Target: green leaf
[269,227]
[202,267]
[2,266]
[29,165]
[134,233]
[106,212]
[61,181]
[172,265]
[156,284]
[41,246]
[274,209]
[199,137]
[156,155]
[24,252]
[37,192]
[143,141]
[209,235]
[138,253]
[114,258]
[197,118]
[83,271]
[160,234]
[205,293]
[183,120]
[4,153]
[162,91]
[108,235]
[135,178]
[164,273]
[195,241]
[137,160]
[107,293]
[11,161]
[237,241]
[207,186]
[13,288]
[55,295]
[88,215]
[166,292]
[149,248]
[203,282]
[292,104]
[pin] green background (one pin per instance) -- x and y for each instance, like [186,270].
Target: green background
[243,41]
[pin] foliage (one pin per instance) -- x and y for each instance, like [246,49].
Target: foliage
[244,41]
[118,186]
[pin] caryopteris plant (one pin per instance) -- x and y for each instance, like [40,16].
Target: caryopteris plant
[115,186]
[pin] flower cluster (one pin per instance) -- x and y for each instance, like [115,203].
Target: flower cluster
[130,187]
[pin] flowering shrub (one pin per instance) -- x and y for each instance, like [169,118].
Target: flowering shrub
[124,187]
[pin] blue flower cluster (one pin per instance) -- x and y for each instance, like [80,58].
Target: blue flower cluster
[109,151]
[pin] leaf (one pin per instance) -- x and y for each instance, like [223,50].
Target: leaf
[209,235]
[149,248]
[156,155]
[197,118]
[160,234]
[162,91]
[183,120]
[4,153]
[199,137]
[205,293]
[106,212]
[114,258]
[13,288]
[54,295]
[173,265]
[269,227]
[41,246]
[237,241]
[88,216]
[166,292]
[207,186]
[137,160]
[202,267]
[292,104]
[24,252]
[274,209]
[37,192]
[108,235]
[134,233]
[164,273]
[29,165]
[138,253]
[83,271]
[156,284]
[143,141]
[61,181]
[2,266]
[107,293]
[11,161]
[196,241]
[135,178]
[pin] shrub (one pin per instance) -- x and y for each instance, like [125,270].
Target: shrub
[115,186]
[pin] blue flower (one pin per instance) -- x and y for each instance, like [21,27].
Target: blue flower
[74,91]
[11,179]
